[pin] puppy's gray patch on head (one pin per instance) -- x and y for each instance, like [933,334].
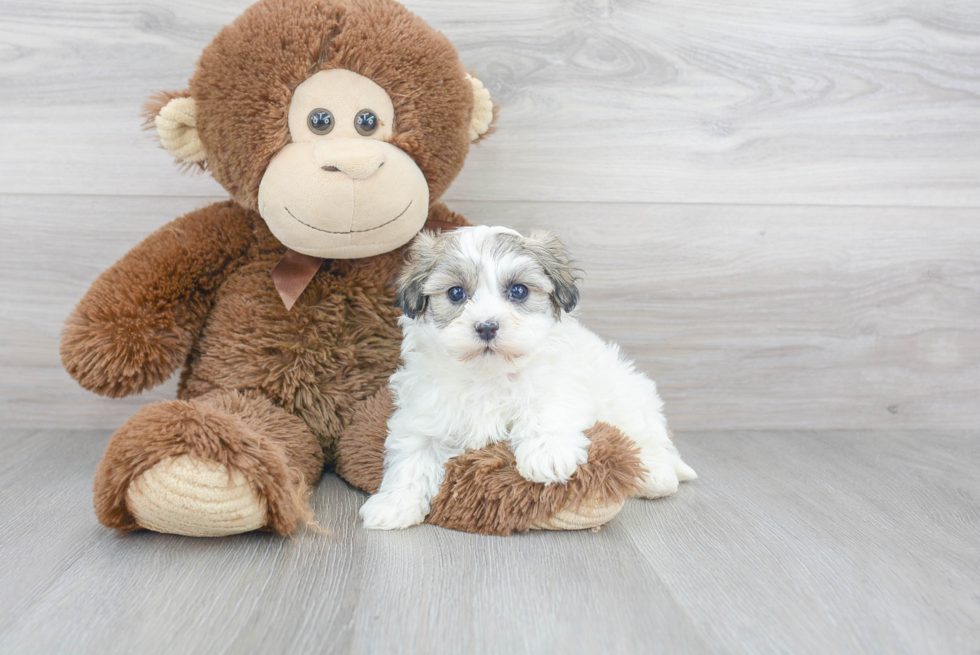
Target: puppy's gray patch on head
[539,299]
[502,244]
[454,269]
[518,265]
[551,255]
[526,270]
[420,260]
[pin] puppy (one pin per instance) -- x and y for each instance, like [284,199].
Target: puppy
[490,353]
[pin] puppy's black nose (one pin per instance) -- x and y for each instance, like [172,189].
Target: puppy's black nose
[487,331]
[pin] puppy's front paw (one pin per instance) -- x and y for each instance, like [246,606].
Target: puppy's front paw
[392,511]
[661,479]
[551,459]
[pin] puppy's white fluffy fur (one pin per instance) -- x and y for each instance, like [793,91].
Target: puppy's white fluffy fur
[539,383]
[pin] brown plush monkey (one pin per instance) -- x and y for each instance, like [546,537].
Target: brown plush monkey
[335,125]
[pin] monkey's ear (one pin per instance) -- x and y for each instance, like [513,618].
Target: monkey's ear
[174,116]
[484,113]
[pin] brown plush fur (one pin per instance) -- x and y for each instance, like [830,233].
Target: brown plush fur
[265,390]
[483,491]
[361,447]
[242,430]
[276,44]
[138,321]
[199,292]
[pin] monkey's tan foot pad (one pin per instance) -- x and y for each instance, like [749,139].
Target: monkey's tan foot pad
[186,496]
[583,516]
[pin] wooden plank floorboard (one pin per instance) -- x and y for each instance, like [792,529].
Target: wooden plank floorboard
[825,542]
[803,542]
[747,317]
[776,207]
[872,102]
[595,594]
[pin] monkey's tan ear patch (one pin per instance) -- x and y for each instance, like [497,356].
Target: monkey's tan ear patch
[482,109]
[176,125]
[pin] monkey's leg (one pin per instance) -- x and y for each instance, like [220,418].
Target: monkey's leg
[483,491]
[223,463]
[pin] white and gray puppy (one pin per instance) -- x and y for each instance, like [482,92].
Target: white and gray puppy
[489,354]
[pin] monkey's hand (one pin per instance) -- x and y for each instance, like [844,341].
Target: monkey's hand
[139,320]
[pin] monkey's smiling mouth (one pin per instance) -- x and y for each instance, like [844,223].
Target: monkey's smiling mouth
[370,229]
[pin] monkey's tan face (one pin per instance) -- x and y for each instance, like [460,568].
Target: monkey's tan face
[340,190]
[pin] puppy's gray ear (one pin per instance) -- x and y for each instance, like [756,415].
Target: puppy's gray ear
[551,254]
[420,260]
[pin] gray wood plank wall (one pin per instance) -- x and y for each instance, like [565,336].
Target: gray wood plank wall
[776,204]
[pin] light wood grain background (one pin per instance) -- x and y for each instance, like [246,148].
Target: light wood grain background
[777,207]
[776,204]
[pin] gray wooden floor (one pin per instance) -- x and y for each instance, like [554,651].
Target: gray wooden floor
[777,208]
[791,542]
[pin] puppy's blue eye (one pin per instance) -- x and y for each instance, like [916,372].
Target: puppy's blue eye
[518,292]
[457,294]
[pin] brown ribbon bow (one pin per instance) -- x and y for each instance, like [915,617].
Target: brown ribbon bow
[295,271]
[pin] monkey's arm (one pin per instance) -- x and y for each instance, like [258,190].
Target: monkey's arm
[139,319]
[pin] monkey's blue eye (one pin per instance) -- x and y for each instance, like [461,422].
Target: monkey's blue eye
[320,121]
[366,122]
[457,294]
[518,292]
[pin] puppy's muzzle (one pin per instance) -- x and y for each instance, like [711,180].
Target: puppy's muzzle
[487,330]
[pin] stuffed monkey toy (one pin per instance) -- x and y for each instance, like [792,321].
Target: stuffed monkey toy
[335,126]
